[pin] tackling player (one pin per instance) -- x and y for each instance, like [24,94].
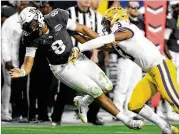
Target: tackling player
[50,33]
[129,42]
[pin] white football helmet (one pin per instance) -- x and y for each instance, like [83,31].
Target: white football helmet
[31,20]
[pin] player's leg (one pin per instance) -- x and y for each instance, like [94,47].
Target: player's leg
[94,72]
[168,112]
[76,79]
[6,92]
[108,106]
[144,90]
[166,80]
[165,77]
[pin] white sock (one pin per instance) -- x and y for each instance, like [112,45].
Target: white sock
[149,114]
[121,116]
[87,100]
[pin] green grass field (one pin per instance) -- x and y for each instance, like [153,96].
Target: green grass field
[109,129]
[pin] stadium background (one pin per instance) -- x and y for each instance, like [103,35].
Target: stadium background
[110,72]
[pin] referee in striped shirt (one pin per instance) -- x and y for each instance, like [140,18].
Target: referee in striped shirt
[83,14]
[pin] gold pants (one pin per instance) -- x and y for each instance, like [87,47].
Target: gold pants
[161,78]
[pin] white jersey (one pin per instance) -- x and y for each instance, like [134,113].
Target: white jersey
[139,49]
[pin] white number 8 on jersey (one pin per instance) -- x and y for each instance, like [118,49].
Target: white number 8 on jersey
[58,47]
[54,13]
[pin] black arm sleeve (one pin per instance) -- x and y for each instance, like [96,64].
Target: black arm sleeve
[28,42]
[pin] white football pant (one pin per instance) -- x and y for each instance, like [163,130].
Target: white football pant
[129,75]
[84,76]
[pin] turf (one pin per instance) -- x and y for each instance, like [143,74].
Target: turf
[110,129]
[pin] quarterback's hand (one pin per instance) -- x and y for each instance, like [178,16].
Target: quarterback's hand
[16,73]
[74,55]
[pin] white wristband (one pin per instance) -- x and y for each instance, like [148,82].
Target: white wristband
[23,72]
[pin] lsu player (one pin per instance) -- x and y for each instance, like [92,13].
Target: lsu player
[160,76]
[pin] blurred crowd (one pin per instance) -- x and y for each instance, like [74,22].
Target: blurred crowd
[40,96]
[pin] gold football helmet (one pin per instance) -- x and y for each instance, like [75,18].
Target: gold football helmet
[112,15]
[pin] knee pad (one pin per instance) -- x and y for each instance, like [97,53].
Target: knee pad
[108,87]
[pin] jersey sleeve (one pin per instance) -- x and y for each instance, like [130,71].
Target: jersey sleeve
[122,26]
[28,42]
[71,25]
[30,51]
[31,46]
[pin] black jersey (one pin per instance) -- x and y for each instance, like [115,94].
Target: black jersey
[57,44]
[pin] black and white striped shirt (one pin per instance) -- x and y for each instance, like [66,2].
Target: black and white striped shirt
[90,19]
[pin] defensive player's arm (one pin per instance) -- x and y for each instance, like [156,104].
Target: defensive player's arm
[27,65]
[104,40]
[83,39]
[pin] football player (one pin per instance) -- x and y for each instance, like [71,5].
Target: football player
[160,76]
[50,33]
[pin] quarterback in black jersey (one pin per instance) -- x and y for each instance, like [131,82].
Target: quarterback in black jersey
[67,64]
